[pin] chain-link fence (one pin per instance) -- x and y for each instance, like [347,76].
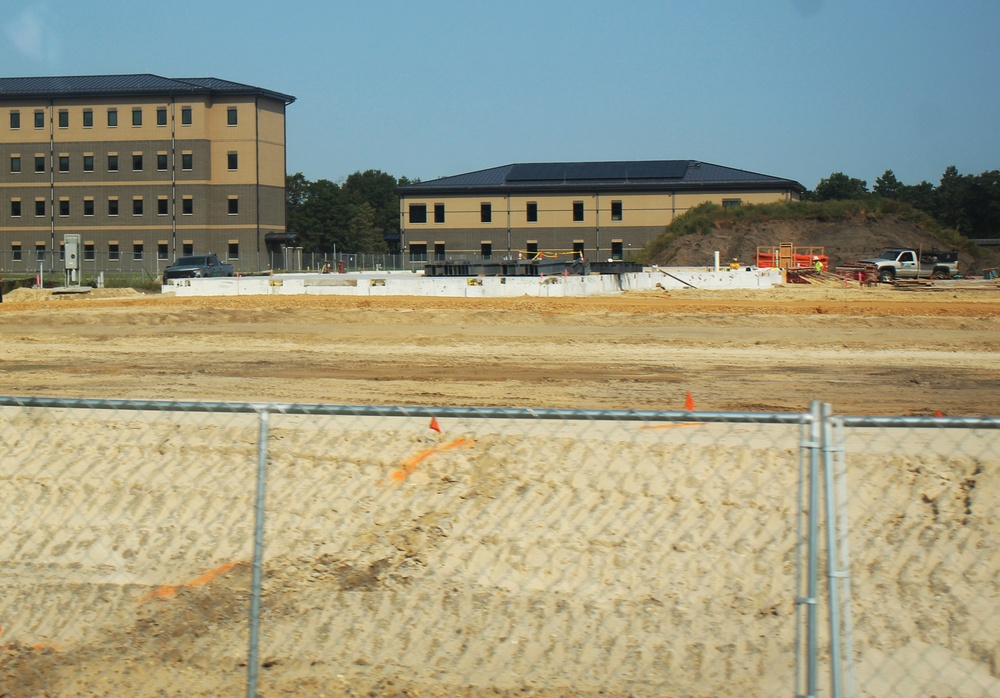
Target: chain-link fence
[209,549]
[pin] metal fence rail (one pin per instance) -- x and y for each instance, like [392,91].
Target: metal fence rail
[265,549]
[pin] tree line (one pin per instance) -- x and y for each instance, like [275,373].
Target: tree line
[968,203]
[360,213]
[351,216]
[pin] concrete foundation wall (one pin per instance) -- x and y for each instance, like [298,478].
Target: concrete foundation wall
[409,284]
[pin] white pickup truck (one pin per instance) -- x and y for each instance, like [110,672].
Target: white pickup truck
[899,263]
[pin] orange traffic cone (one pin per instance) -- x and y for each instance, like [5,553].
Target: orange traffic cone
[938,414]
[434,425]
[689,402]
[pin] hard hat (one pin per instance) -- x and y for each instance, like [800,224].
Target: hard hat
[815,258]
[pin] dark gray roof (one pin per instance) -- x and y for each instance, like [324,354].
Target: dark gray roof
[123,85]
[636,175]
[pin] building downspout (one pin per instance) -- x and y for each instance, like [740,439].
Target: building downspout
[52,183]
[597,216]
[507,196]
[256,139]
[173,183]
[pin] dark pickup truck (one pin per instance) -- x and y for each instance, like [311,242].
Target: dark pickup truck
[197,266]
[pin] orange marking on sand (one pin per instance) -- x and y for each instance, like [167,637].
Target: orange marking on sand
[410,464]
[168,590]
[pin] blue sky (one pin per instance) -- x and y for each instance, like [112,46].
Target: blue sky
[791,88]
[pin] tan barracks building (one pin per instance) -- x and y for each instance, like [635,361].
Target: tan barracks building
[144,168]
[602,210]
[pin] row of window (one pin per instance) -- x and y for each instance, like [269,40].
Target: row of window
[418,250]
[87,115]
[138,206]
[418,212]
[138,162]
[114,251]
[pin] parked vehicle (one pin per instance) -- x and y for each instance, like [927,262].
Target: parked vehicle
[197,266]
[899,263]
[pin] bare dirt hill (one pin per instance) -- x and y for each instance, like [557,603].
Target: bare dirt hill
[844,240]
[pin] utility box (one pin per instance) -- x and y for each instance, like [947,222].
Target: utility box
[71,244]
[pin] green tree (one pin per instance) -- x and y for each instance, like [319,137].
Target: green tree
[950,200]
[840,186]
[378,189]
[364,234]
[887,185]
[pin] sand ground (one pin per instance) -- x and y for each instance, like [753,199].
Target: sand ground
[497,557]
[865,351]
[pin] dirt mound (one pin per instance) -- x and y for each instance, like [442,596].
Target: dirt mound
[845,241]
[28,295]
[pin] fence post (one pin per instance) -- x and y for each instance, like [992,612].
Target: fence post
[808,502]
[837,562]
[253,662]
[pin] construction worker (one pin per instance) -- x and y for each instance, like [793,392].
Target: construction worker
[817,264]
[735,264]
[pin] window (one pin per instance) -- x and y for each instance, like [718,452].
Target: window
[112,163]
[162,206]
[418,251]
[187,161]
[577,211]
[187,248]
[113,207]
[63,118]
[532,249]
[486,249]
[161,161]
[63,207]
[64,163]
[161,116]
[418,214]
[15,163]
[439,213]
[113,253]
[187,206]
[112,117]
[185,116]
[616,250]
[485,213]
[137,162]
[234,206]
[88,163]
[233,161]
[88,118]
[137,206]
[88,207]
[39,118]
[439,253]
[532,211]
[15,251]
[616,210]
[731,203]
[234,250]
[231,116]
[39,163]
[137,250]
[162,252]
[137,116]
[15,208]
[39,207]
[15,119]
[39,251]
[578,249]
[89,254]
